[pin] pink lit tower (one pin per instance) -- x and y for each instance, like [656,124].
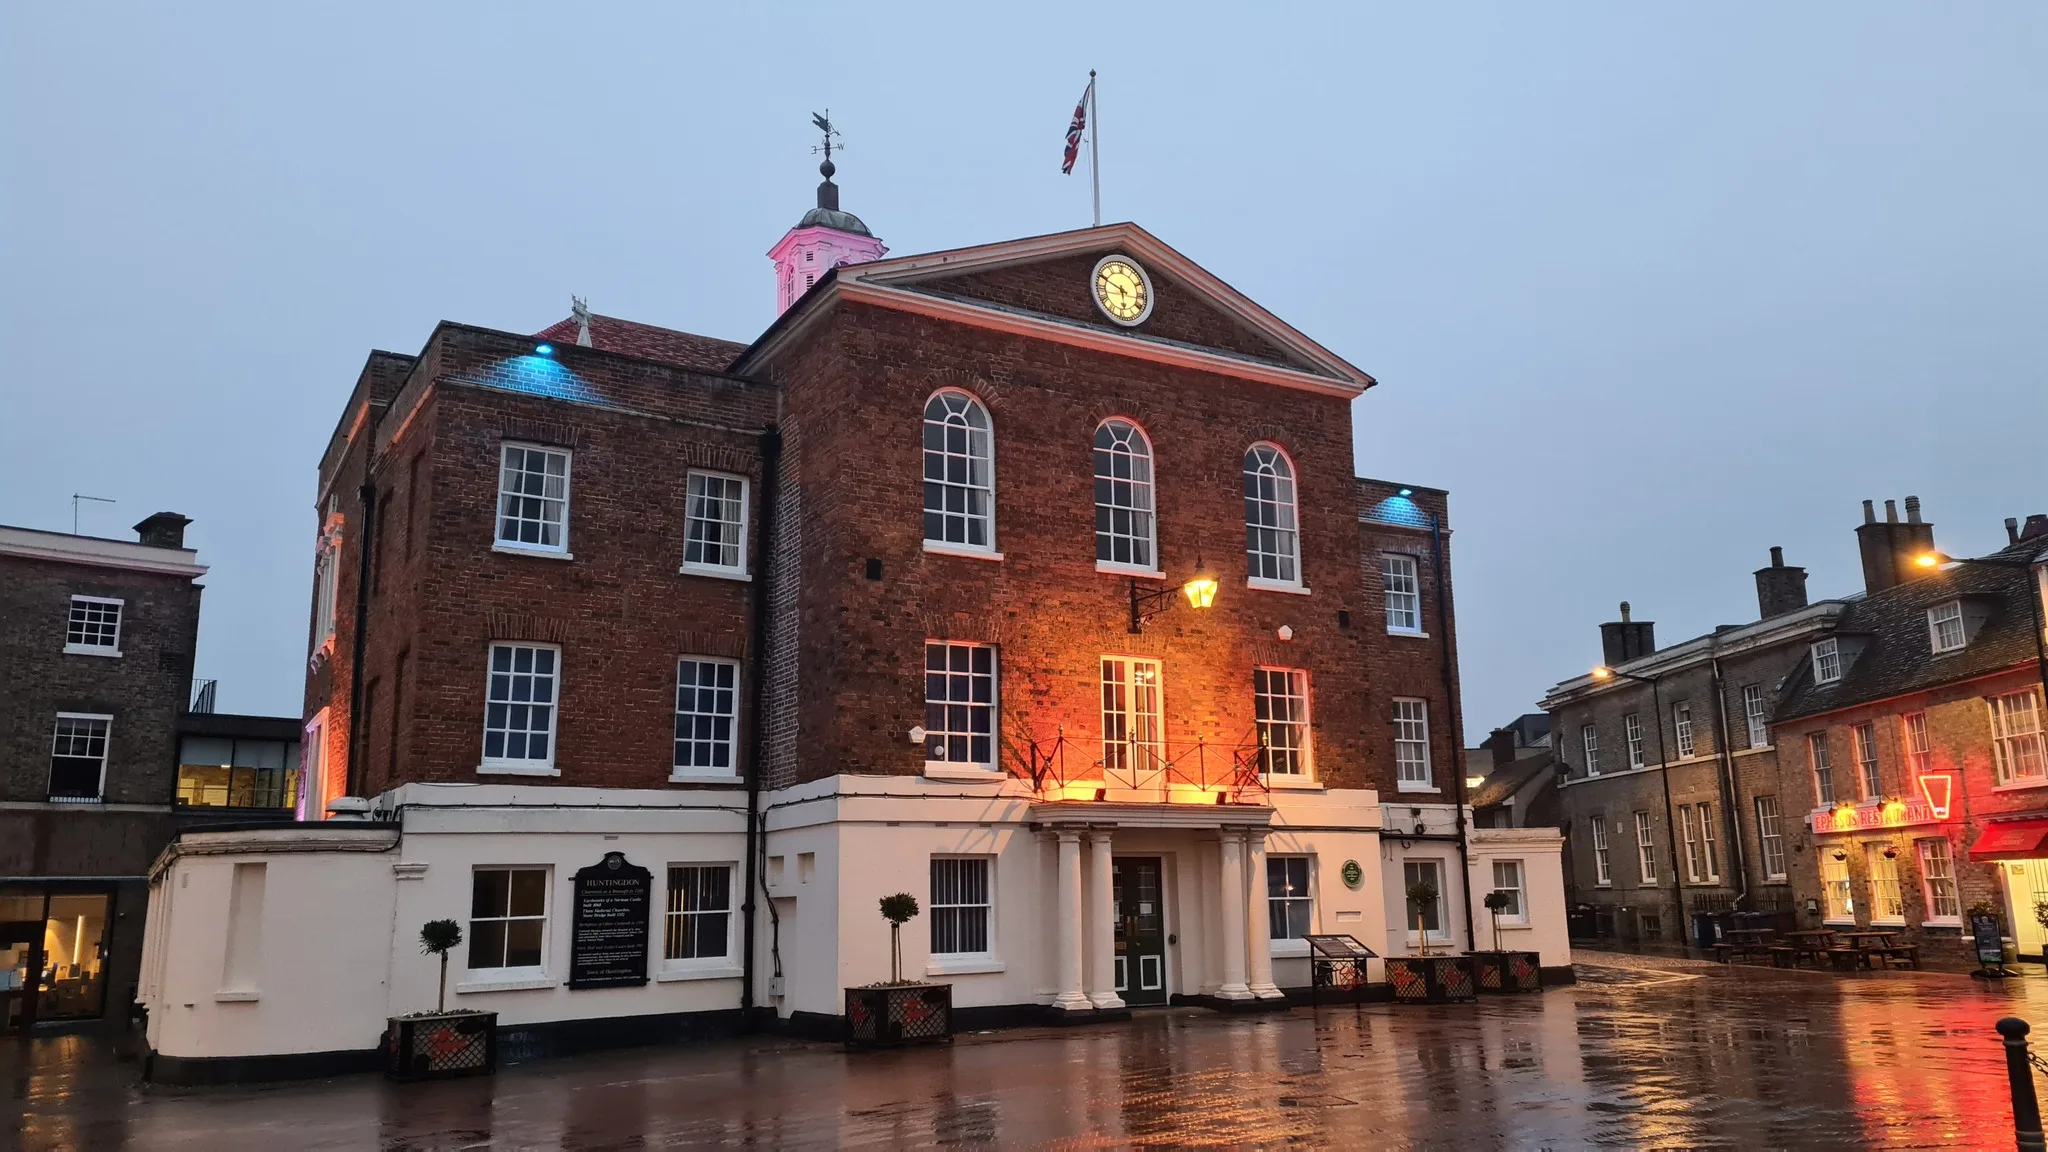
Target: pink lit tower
[824,239]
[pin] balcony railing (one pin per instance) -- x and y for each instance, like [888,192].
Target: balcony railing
[203,692]
[1200,772]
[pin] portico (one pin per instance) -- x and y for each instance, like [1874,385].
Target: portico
[1157,902]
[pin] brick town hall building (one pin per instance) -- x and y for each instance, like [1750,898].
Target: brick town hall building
[1029,578]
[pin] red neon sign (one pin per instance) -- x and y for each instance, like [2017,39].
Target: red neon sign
[1936,787]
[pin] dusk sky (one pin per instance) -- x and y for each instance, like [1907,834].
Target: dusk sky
[1648,288]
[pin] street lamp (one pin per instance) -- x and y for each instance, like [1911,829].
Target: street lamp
[1604,673]
[1200,591]
[1931,559]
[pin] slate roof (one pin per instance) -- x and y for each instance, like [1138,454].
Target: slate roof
[1898,656]
[682,349]
[1509,779]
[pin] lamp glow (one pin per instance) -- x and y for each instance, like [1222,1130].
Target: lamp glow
[1928,559]
[1603,672]
[1405,492]
[1201,588]
[544,349]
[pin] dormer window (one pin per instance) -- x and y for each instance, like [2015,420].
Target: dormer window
[1827,661]
[1945,626]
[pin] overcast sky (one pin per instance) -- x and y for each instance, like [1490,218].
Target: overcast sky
[1648,289]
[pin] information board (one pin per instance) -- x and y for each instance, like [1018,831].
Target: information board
[609,927]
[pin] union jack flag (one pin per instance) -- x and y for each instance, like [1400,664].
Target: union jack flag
[1075,129]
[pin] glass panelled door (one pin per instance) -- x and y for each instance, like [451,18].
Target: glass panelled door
[21,938]
[1140,930]
[52,956]
[1132,755]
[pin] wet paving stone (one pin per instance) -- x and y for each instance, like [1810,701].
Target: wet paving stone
[1646,1056]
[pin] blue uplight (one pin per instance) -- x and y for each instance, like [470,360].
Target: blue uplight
[1405,492]
[544,349]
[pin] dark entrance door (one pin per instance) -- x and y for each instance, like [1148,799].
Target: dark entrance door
[1140,930]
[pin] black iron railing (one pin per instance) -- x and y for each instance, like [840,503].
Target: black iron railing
[1231,773]
[203,692]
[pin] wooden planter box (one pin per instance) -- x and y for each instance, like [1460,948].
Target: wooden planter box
[439,1045]
[1431,979]
[888,1015]
[1507,971]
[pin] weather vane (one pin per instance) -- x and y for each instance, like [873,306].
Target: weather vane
[823,121]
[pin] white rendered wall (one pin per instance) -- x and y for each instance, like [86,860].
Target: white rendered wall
[1540,851]
[1331,827]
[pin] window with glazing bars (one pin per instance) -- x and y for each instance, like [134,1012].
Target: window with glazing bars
[1270,532]
[519,715]
[1288,904]
[1753,714]
[95,626]
[960,704]
[1123,496]
[715,523]
[78,756]
[1411,744]
[1866,761]
[533,498]
[960,906]
[959,473]
[698,921]
[2016,737]
[1403,589]
[707,716]
[1823,771]
[1770,837]
[1280,704]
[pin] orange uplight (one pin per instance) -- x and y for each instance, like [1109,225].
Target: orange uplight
[1937,788]
[1603,672]
[1201,588]
[1845,816]
[1895,812]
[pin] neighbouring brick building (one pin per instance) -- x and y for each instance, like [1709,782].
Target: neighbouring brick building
[1030,578]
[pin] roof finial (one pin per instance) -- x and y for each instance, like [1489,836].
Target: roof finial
[579,310]
[828,192]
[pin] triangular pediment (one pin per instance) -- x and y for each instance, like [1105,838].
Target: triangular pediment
[1045,285]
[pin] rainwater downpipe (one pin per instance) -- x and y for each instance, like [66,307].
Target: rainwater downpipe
[757,642]
[1731,800]
[1443,628]
[1670,819]
[357,722]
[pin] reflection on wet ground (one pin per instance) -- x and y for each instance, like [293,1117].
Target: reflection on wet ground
[1642,1057]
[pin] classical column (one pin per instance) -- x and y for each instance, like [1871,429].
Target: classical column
[1230,886]
[1259,931]
[1101,923]
[1070,997]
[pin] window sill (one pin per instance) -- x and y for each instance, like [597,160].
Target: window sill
[1954,922]
[501,768]
[947,770]
[1840,923]
[1777,878]
[240,997]
[936,548]
[1603,883]
[90,650]
[717,574]
[1297,783]
[2020,786]
[1258,585]
[1507,925]
[962,965]
[517,984]
[1897,922]
[1407,633]
[1140,571]
[1407,786]
[680,777]
[1289,949]
[536,553]
[722,971]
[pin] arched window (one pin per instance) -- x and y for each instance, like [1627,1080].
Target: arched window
[959,473]
[1270,536]
[1123,496]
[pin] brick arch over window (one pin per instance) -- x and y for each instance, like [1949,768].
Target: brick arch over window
[1126,524]
[959,472]
[1272,521]
[991,393]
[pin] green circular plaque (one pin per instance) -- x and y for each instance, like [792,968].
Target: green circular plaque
[1353,874]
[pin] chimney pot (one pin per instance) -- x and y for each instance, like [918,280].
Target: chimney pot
[1891,511]
[1869,513]
[1777,556]
[1912,509]
[2012,529]
[1624,611]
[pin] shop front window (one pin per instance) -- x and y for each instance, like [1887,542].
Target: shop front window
[52,956]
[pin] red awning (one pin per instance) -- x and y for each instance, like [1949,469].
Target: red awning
[2012,840]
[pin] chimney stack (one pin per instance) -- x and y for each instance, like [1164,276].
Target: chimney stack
[163,530]
[1624,640]
[2036,527]
[1888,547]
[2012,529]
[1779,589]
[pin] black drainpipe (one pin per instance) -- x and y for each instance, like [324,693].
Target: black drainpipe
[368,495]
[1443,628]
[757,645]
[1731,800]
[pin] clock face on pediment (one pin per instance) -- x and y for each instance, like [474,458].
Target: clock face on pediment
[1122,290]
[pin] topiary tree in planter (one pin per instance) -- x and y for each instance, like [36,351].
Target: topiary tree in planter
[1496,902]
[897,910]
[1421,897]
[438,938]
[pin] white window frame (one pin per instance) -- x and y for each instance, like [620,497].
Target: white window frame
[1271,473]
[74,626]
[1280,902]
[1868,777]
[1708,848]
[1401,584]
[1589,737]
[1695,869]
[519,976]
[326,590]
[1820,762]
[696,499]
[1603,864]
[1753,716]
[1770,837]
[1632,732]
[105,736]
[731,743]
[1441,934]
[1913,738]
[1131,447]
[313,768]
[961,960]
[1681,729]
[1267,723]
[1884,883]
[2018,758]
[1404,728]
[1133,734]
[974,491]
[676,917]
[527,765]
[1646,851]
[1940,619]
[1827,661]
[1838,894]
[1938,882]
[938,712]
[499,542]
[1520,916]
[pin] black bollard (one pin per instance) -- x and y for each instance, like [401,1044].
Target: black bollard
[2026,1107]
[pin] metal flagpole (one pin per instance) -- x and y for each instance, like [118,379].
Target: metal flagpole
[1094,146]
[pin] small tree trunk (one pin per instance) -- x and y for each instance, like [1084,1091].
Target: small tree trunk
[441,1001]
[895,953]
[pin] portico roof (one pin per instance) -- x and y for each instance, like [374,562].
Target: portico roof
[1100,814]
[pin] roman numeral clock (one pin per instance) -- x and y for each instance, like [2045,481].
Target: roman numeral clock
[1122,290]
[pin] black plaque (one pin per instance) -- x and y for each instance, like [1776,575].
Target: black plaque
[1990,946]
[609,929]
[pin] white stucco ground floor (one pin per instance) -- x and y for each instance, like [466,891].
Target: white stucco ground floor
[601,917]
